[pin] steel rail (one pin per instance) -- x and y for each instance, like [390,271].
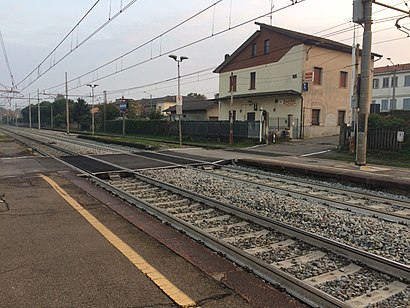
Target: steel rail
[375,197]
[294,286]
[388,216]
[382,264]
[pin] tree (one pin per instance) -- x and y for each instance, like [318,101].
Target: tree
[197,96]
[81,114]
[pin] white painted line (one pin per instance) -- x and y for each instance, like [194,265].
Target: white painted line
[315,153]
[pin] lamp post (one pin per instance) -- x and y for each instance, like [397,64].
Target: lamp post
[394,82]
[179,98]
[92,86]
[150,100]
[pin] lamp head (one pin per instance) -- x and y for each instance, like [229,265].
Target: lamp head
[173,57]
[183,58]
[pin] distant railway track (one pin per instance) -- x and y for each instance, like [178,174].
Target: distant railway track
[375,206]
[316,268]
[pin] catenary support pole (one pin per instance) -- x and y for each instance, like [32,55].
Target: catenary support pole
[67,109]
[365,89]
[231,113]
[105,110]
[38,109]
[29,110]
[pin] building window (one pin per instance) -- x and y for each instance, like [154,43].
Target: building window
[407,81]
[406,103]
[394,81]
[315,116]
[341,115]
[375,83]
[253,81]
[232,83]
[374,108]
[317,76]
[343,80]
[385,82]
[254,50]
[266,47]
[393,104]
[385,104]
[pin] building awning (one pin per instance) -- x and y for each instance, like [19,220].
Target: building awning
[262,94]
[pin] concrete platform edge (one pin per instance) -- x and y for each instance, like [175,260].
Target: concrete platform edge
[345,175]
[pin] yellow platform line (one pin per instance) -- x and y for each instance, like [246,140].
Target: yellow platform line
[163,283]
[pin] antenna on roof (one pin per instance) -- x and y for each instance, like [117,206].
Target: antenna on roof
[271,11]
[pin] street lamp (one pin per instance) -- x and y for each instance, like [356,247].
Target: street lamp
[179,98]
[92,86]
[394,82]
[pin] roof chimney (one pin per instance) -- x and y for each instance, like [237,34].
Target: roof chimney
[226,56]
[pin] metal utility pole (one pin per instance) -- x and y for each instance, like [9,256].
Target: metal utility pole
[354,99]
[38,109]
[365,84]
[67,109]
[271,11]
[150,101]
[51,116]
[394,81]
[231,113]
[105,108]
[29,110]
[179,97]
[92,86]
[123,117]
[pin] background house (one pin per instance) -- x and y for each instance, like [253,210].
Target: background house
[385,85]
[295,79]
[196,110]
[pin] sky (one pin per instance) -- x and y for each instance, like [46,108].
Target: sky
[128,56]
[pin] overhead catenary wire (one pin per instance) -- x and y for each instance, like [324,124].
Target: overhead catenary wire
[140,63]
[183,47]
[79,44]
[174,49]
[60,43]
[3,47]
[159,36]
[194,73]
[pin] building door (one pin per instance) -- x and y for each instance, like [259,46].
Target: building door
[250,117]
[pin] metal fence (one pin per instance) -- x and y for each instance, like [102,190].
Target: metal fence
[278,125]
[219,130]
[383,139]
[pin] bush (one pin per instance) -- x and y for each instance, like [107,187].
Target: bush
[377,120]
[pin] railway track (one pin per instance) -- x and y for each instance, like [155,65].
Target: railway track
[315,268]
[309,266]
[384,208]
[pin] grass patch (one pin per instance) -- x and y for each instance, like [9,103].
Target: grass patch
[163,142]
[5,138]
[394,159]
